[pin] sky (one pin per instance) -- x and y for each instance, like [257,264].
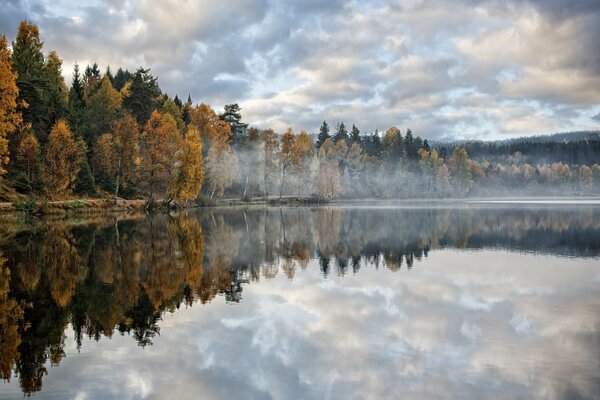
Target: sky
[462,69]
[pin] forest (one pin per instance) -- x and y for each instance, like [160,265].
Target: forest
[118,135]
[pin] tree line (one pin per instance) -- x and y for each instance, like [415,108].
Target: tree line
[118,134]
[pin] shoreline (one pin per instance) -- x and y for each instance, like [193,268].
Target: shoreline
[87,206]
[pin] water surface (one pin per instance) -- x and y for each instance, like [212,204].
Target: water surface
[474,301]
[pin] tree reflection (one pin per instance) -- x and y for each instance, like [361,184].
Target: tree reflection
[121,275]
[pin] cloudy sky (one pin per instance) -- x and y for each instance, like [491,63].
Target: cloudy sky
[450,68]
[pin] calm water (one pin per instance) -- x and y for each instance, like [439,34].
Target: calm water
[301,303]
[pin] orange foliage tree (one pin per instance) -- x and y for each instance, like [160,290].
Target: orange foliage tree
[62,159]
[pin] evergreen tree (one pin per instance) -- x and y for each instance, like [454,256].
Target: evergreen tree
[76,105]
[103,108]
[426,145]
[84,183]
[28,63]
[56,94]
[377,148]
[178,102]
[91,81]
[341,133]
[355,134]
[233,117]
[186,114]
[121,78]
[323,134]
[143,96]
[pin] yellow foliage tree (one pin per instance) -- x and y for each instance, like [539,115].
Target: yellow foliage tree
[104,157]
[460,171]
[62,159]
[126,138]
[10,119]
[159,145]
[11,316]
[329,180]
[187,182]
[28,154]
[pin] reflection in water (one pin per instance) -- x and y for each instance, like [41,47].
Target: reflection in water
[122,276]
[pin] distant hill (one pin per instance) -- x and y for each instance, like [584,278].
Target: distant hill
[562,137]
[581,147]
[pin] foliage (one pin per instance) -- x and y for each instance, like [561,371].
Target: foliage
[62,159]
[187,181]
[10,119]
[159,144]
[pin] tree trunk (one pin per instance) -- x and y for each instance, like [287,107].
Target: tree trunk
[246,186]
[117,182]
[282,183]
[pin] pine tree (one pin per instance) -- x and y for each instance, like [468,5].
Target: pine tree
[28,63]
[56,93]
[76,105]
[355,135]
[323,134]
[341,133]
[143,96]
[233,117]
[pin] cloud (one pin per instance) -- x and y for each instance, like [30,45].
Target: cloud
[376,64]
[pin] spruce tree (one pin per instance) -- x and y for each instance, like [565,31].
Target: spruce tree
[323,134]
[355,134]
[341,133]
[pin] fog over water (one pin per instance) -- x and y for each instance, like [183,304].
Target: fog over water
[435,301]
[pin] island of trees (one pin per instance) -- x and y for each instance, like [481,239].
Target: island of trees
[117,135]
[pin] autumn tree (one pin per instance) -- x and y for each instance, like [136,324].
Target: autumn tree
[355,165]
[27,158]
[10,118]
[170,107]
[393,145]
[329,181]
[287,155]
[222,168]
[212,129]
[126,138]
[303,150]
[62,159]
[459,170]
[104,161]
[11,317]
[186,183]
[159,145]
[270,148]
[431,164]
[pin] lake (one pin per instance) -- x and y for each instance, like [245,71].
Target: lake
[480,301]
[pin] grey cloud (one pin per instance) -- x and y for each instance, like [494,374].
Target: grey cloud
[375,64]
